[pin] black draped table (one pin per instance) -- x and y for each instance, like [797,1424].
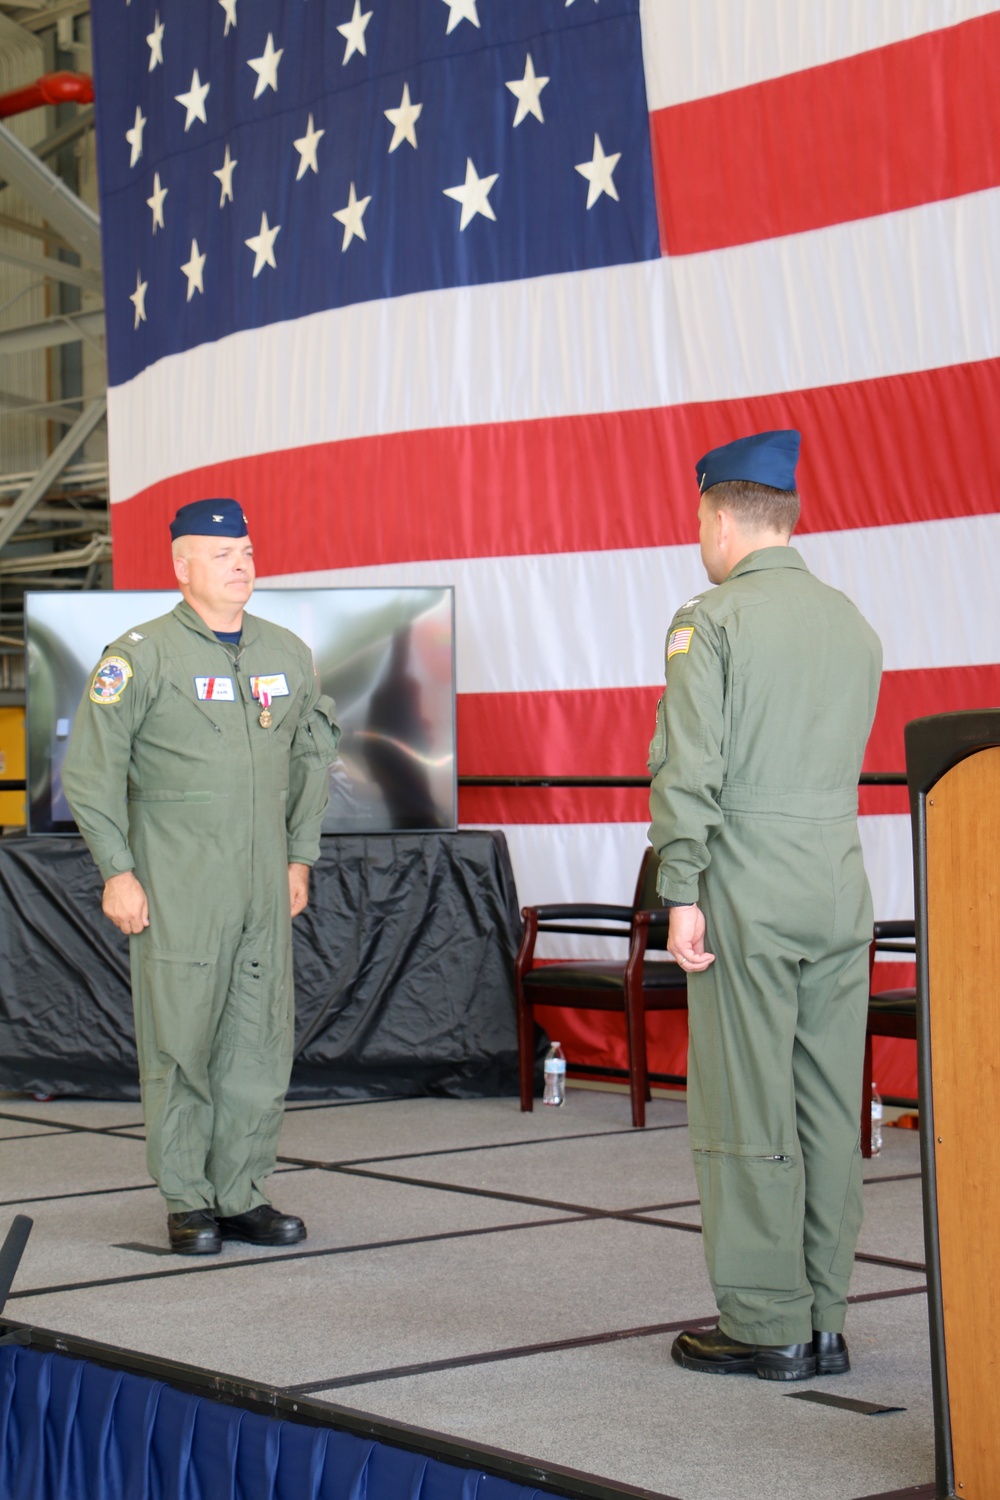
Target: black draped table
[404,966]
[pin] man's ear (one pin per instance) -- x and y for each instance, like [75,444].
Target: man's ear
[181,569]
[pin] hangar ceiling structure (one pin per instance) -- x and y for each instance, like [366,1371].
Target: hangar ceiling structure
[54,526]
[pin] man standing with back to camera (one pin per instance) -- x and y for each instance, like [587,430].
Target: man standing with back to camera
[198,775]
[772,683]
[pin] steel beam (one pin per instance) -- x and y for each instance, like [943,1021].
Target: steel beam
[38,487]
[65,330]
[55,270]
[59,204]
[45,411]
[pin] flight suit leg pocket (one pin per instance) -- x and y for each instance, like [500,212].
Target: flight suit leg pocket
[176,1001]
[175,1017]
[243,1022]
[752,1207]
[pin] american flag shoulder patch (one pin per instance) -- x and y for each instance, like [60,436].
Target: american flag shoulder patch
[679,641]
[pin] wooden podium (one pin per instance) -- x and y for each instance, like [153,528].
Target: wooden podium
[953,770]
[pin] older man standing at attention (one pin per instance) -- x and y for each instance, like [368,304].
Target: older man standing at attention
[197,773]
[772,683]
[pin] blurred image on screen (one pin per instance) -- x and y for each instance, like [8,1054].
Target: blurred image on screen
[386,655]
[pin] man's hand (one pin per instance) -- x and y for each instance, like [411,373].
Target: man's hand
[124,901]
[686,938]
[298,887]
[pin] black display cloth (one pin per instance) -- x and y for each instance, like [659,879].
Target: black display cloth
[404,971]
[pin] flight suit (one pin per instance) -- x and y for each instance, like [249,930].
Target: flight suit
[772,681]
[170,772]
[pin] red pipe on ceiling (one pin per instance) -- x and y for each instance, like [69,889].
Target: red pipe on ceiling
[52,88]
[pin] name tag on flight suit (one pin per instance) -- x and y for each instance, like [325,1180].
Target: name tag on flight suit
[275,686]
[218,689]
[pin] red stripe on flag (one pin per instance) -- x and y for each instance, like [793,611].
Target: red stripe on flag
[607,733]
[873,455]
[910,123]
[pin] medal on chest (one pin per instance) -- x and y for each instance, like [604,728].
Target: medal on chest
[265,690]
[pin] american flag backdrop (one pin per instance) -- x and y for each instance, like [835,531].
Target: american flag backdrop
[456,291]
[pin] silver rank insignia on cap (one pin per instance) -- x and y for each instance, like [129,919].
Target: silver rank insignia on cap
[216,518]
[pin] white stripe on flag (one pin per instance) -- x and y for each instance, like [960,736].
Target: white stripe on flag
[876,297]
[527,624]
[697,47]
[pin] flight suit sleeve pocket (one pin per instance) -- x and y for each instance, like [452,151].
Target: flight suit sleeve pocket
[658,744]
[318,735]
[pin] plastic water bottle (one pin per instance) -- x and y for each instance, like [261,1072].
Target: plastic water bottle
[555,1075]
[876,1120]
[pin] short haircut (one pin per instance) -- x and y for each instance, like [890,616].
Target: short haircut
[756,507]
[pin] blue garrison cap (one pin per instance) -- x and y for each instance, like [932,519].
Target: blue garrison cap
[209,518]
[764,457]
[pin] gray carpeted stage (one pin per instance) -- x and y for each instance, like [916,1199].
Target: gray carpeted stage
[509,1279]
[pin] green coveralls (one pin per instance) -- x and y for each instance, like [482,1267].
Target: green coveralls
[772,683]
[170,773]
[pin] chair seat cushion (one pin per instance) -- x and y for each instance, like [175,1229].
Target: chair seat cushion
[894,1002]
[572,975]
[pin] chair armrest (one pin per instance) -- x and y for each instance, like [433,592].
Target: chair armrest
[570,910]
[658,918]
[904,929]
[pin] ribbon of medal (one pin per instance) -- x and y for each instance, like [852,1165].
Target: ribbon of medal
[264,699]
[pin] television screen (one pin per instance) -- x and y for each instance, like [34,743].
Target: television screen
[385,654]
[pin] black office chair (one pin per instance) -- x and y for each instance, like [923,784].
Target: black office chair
[634,986]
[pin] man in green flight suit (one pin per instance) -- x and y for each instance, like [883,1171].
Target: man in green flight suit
[772,683]
[198,774]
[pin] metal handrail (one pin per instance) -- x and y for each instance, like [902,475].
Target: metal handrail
[867,778]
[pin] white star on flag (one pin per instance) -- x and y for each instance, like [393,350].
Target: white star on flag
[403,119]
[473,194]
[262,245]
[266,67]
[155,40]
[526,91]
[194,101]
[134,136]
[193,271]
[351,217]
[353,32]
[138,299]
[598,173]
[306,147]
[156,202]
[460,10]
[229,6]
[225,176]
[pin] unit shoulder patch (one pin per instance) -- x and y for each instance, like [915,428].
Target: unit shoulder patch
[679,641]
[110,680]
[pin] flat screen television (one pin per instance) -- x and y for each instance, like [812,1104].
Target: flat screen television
[387,655]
